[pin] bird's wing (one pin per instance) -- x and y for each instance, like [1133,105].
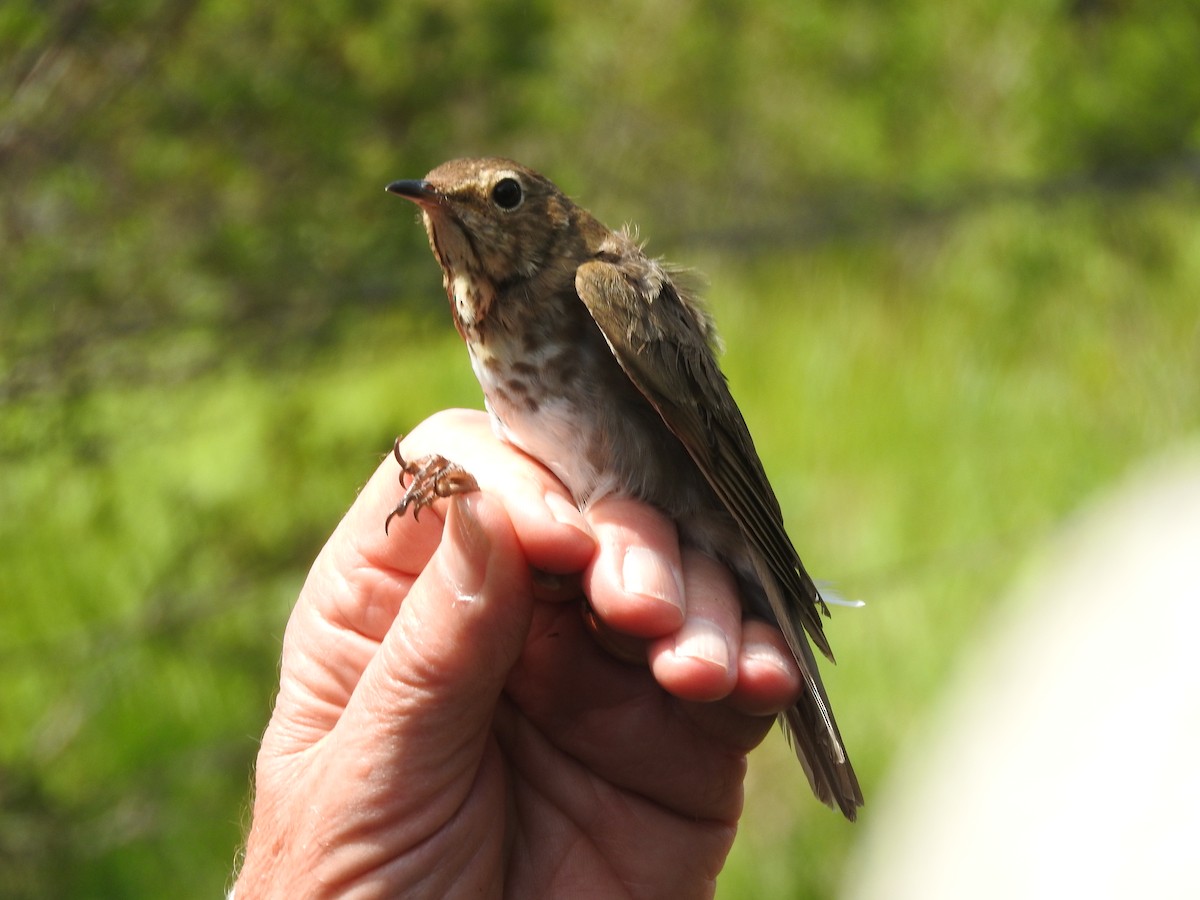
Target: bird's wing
[660,339]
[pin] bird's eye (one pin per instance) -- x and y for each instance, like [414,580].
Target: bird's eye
[507,193]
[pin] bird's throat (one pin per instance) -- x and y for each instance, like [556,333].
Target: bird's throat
[470,299]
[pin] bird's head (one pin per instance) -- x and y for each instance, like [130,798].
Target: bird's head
[493,222]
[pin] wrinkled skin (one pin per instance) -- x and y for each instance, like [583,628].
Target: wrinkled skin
[447,726]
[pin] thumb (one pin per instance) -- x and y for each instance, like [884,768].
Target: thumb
[425,702]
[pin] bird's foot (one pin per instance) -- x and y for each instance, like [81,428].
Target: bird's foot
[431,477]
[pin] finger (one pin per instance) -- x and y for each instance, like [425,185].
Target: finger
[635,581]
[553,534]
[768,677]
[426,702]
[617,644]
[700,660]
[768,682]
[362,575]
[549,587]
[345,608]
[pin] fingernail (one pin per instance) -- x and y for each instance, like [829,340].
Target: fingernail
[566,513]
[467,553]
[552,586]
[703,640]
[770,655]
[646,573]
[549,580]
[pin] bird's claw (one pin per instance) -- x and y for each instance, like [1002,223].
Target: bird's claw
[432,476]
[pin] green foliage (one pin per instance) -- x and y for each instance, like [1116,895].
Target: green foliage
[953,251]
[1126,92]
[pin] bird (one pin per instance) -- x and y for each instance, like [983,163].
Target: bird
[597,363]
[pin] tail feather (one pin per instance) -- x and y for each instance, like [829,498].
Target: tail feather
[812,730]
[818,745]
[791,600]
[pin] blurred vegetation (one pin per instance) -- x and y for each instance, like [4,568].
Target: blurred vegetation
[954,250]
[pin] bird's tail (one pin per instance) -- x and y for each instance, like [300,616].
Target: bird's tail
[818,745]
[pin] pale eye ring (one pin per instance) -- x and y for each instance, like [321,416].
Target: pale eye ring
[507,194]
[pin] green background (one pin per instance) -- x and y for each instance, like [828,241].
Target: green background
[953,250]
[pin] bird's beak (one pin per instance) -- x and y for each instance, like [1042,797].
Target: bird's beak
[420,192]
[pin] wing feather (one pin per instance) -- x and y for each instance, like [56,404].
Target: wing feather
[661,341]
[658,339]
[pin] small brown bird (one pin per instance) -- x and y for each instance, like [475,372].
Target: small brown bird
[593,361]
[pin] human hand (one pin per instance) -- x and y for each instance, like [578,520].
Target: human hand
[448,726]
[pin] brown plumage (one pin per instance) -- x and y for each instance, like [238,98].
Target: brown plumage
[594,362]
